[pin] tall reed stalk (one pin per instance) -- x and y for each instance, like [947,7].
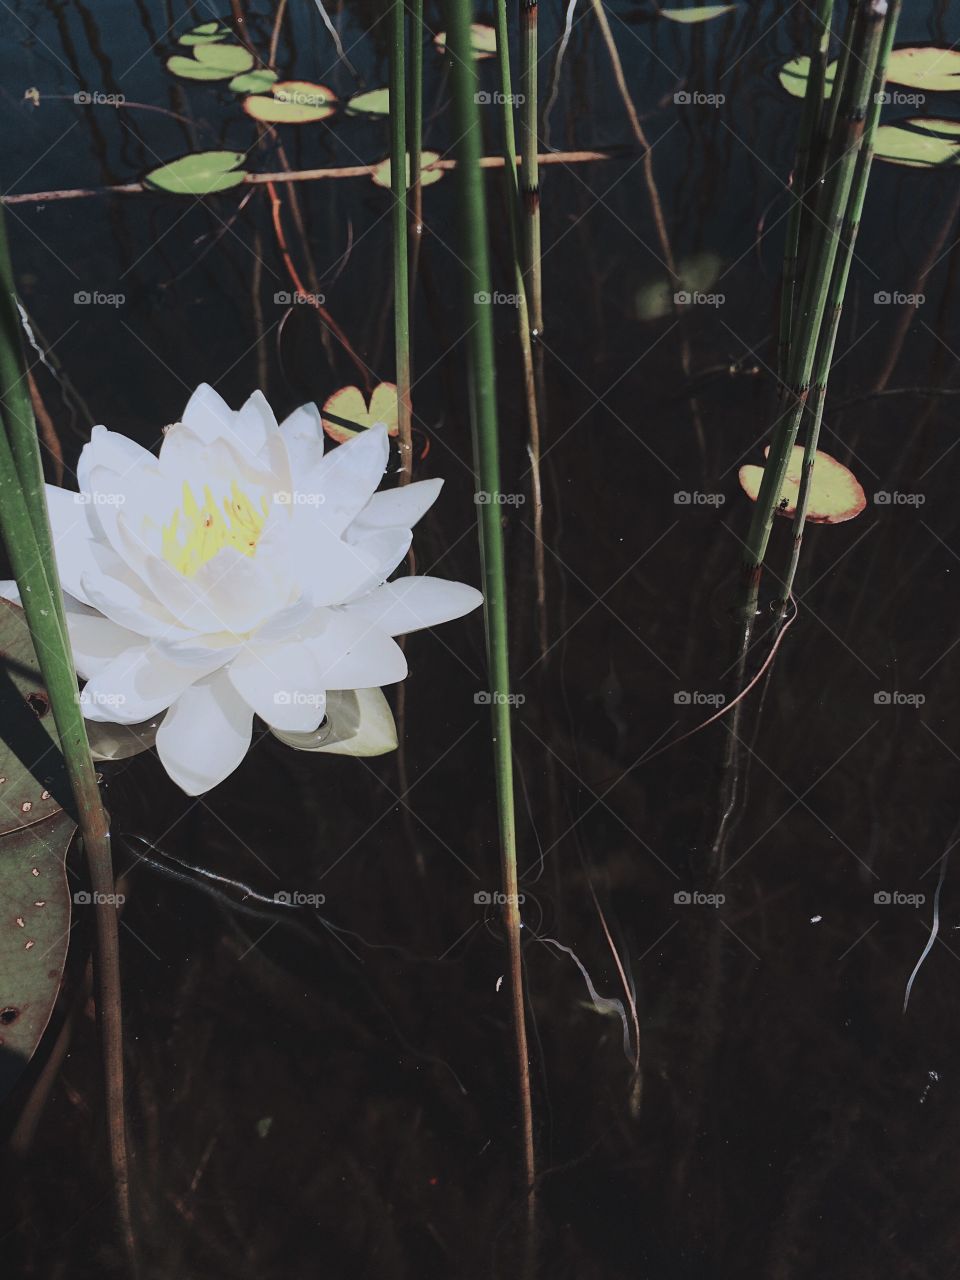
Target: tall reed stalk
[415,126]
[483,415]
[25,526]
[401,269]
[824,248]
[529,168]
[838,285]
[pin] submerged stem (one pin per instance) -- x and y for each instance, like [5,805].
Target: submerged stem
[398,182]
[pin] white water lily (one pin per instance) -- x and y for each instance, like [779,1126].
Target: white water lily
[242,571]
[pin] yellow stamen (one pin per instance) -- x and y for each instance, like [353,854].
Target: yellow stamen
[195,534]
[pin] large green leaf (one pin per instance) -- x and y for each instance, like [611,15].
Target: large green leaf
[215,60]
[936,70]
[253,81]
[375,102]
[33,780]
[199,174]
[793,77]
[292,102]
[920,143]
[34,930]
[700,13]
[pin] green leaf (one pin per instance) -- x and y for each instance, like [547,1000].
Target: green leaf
[190,69]
[428,175]
[33,780]
[199,174]
[376,102]
[926,67]
[206,33]
[253,81]
[697,274]
[483,41]
[920,143]
[700,13]
[229,58]
[34,929]
[292,102]
[793,77]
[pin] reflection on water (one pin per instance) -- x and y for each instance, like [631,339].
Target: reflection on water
[342,1088]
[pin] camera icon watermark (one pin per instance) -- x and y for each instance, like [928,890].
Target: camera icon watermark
[497,99]
[694,698]
[296,698]
[883,298]
[694,898]
[483,498]
[84,898]
[896,498]
[895,698]
[86,98]
[99,499]
[693,98]
[688,498]
[284,298]
[287,498]
[86,298]
[894,98]
[494,898]
[894,898]
[286,898]
[486,698]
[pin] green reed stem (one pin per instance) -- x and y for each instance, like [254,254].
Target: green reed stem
[415,126]
[816,290]
[813,106]
[841,275]
[483,413]
[523,312]
[398,181]
[25,527]
[529,169]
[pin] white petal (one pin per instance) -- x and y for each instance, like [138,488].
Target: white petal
[281,682]
[359,723]
[138,684]
[127,605]
[302,432]
[402,506]
[73,539]
[353,655]
[96,641]
[330,570]
[110,449]
[207,414]
[387,547]
[255,423]
[346,478]
[205,734]
[411,603]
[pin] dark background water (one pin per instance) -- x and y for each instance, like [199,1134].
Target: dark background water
[345,1103]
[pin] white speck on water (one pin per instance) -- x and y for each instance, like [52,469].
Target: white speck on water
[500,982]
[934,1078]
[815,919]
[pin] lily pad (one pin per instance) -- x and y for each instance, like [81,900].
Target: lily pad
[229,58]
[206,33]
[346,413]
[199,174]
[253,81]
[428,175]
[835,492]
[33,781]
[919,143]
[292,102]
[358,722]
[698,274]
[925,67]
[699,13]
[376,102]
[794,75]
[483,41]
[34,930]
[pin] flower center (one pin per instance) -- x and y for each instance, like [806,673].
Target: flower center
[195,534]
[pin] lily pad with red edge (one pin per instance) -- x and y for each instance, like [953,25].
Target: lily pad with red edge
[346,413]
[292,102]
[382,173]
[835,493]
[483,41]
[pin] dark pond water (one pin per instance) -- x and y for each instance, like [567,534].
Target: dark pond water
[307,1102]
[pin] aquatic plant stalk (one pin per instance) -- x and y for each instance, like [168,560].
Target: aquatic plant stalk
[415,128]
[841,273]
[529,169]
[483,413]
[816,289]
[523,314]
[398,183]
[25,527]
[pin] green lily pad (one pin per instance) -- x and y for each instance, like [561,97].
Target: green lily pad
[33,781]
[34,930]
[428,175]
[232,58]
[206,33]
[793,77]
[483,41]
[700,13]
[925,67]
[919,143]
[697,274]
[253,81]
[199,174]
[292,102]
[376,102]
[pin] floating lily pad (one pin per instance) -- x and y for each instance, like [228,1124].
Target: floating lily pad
[199,174]
[698,274]
[253,81]
[919,143]
[376,102]
[33,781]
[700,13]
[483,41]
[190,69]
[34,930]
[835,492]
[358,722]
[206,33]
[229,58]
[925,67]
[793,77]
[428,175]
[346,413]
[292,102]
